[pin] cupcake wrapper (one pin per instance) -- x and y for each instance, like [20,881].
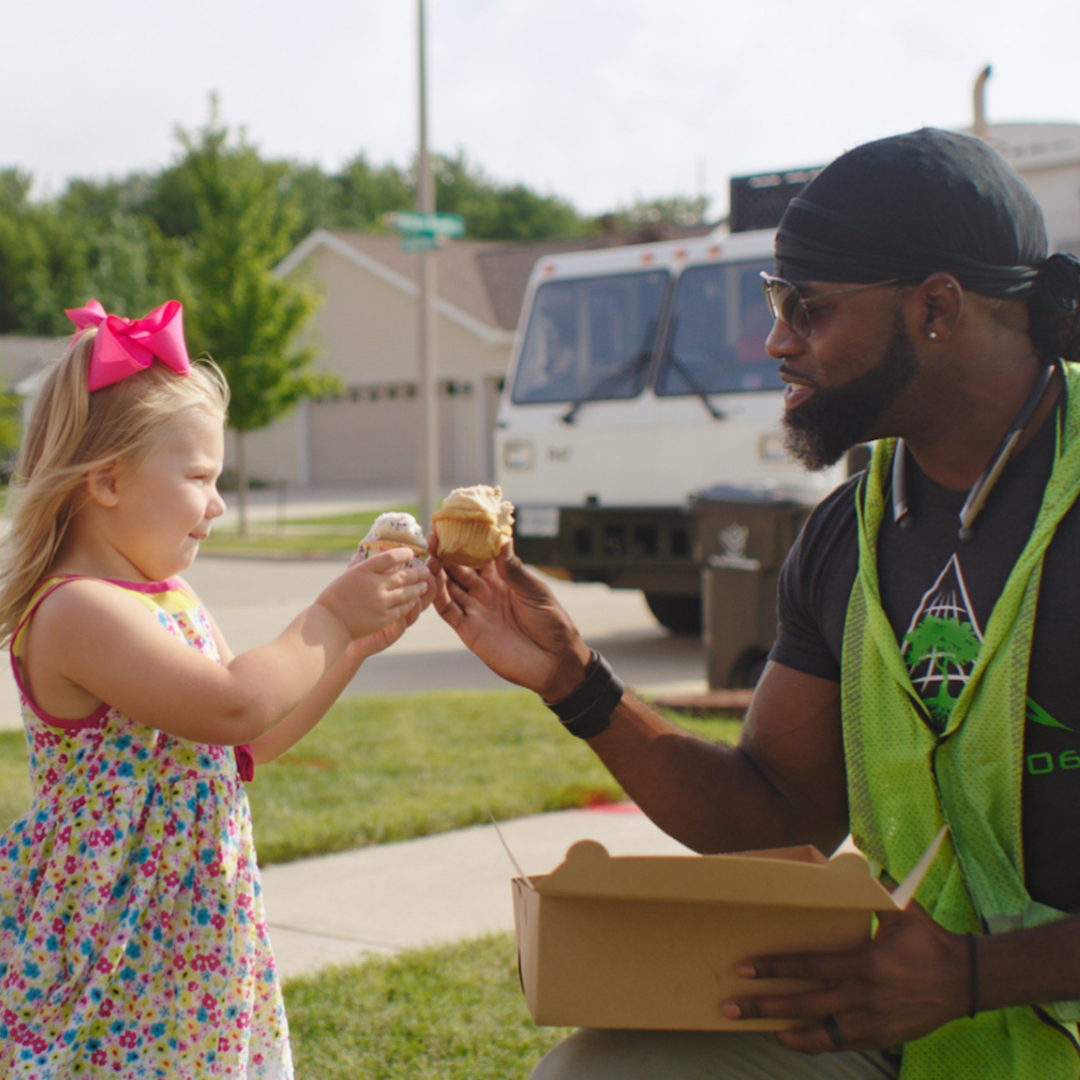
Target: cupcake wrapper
[374,547]
[468,543]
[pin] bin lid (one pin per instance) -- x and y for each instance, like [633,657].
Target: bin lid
[762,492]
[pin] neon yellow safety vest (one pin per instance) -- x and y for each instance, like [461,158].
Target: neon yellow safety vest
[905,780]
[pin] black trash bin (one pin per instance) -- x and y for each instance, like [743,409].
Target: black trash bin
[741,536]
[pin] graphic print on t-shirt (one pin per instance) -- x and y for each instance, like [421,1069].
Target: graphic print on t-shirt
[942,642]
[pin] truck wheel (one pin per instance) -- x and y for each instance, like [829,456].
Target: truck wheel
[680,614]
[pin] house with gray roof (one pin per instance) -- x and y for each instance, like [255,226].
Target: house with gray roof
[366,331]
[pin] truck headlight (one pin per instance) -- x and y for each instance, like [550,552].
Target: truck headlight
[771,447]
[518,455]
[537,521]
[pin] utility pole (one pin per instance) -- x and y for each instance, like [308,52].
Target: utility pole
[428,449]
[980,128]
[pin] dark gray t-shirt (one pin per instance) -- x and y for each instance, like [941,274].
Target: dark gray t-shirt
[938,593]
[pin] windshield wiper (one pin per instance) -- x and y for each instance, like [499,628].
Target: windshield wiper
[608,381]
[611,380]
[694,385]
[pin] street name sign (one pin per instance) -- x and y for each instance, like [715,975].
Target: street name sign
[420,242]
[413,222]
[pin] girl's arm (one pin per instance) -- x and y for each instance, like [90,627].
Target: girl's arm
[91,642]
[315,706]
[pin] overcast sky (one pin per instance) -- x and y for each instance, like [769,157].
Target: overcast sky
[600,101]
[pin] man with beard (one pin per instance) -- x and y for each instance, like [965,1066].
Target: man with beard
[924,671]
[820,430]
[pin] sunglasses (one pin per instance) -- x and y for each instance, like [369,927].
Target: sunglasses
[788,306]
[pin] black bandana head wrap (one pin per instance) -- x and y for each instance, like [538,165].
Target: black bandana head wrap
[911,205]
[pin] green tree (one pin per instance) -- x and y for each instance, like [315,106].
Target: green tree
[495,211]
[124,259]
[132,242]
[128,265]
[316,195]
[38,260]
[91,242]
[10,428]
[20,248]
[365,193]
[237,310]
[679,211]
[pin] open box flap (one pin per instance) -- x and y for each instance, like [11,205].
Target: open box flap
[778,877]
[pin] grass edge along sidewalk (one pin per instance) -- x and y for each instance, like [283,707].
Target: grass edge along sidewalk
[318,537]
[392,767]
[452,1012]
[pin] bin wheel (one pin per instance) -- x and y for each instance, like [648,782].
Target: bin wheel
[679,614]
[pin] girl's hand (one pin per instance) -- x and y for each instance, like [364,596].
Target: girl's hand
[362,648]
[374,593]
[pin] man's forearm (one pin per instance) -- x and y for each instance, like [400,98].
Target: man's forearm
[785,783]
[709,796]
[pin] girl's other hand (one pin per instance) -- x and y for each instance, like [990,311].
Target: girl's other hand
[364,647]
[376,592]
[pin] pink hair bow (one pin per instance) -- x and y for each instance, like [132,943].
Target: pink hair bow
[126,346]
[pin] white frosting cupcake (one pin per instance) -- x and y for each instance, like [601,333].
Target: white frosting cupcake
[393,530]
[473,526]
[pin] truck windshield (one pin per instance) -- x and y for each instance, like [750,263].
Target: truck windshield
[590,338]
[716,339]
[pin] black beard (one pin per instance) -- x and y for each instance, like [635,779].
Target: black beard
[820,432]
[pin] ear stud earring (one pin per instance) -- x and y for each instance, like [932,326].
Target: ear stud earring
[932,335]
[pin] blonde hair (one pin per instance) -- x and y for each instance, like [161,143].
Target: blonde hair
[70,434]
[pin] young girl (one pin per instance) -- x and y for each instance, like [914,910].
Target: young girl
[132,936]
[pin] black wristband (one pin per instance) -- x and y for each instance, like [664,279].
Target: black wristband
[973,960]
[587,711]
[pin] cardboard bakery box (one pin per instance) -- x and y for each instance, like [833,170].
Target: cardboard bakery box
[652,942]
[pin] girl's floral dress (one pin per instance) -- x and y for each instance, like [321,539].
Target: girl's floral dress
[133,942]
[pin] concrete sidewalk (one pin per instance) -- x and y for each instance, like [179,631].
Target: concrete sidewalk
[340,908]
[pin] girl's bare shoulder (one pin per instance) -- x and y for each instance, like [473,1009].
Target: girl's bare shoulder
[84,604]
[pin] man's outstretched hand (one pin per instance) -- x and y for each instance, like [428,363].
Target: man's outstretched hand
[512,621]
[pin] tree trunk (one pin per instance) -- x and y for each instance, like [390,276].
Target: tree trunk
[242,482]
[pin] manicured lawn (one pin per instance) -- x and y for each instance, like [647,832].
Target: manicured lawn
[14,781]
[392,767]
[310,537]
[388,768]
[358,519]
[452,1013]
[283,545]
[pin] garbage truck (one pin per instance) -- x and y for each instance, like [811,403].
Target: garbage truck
[638,381]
